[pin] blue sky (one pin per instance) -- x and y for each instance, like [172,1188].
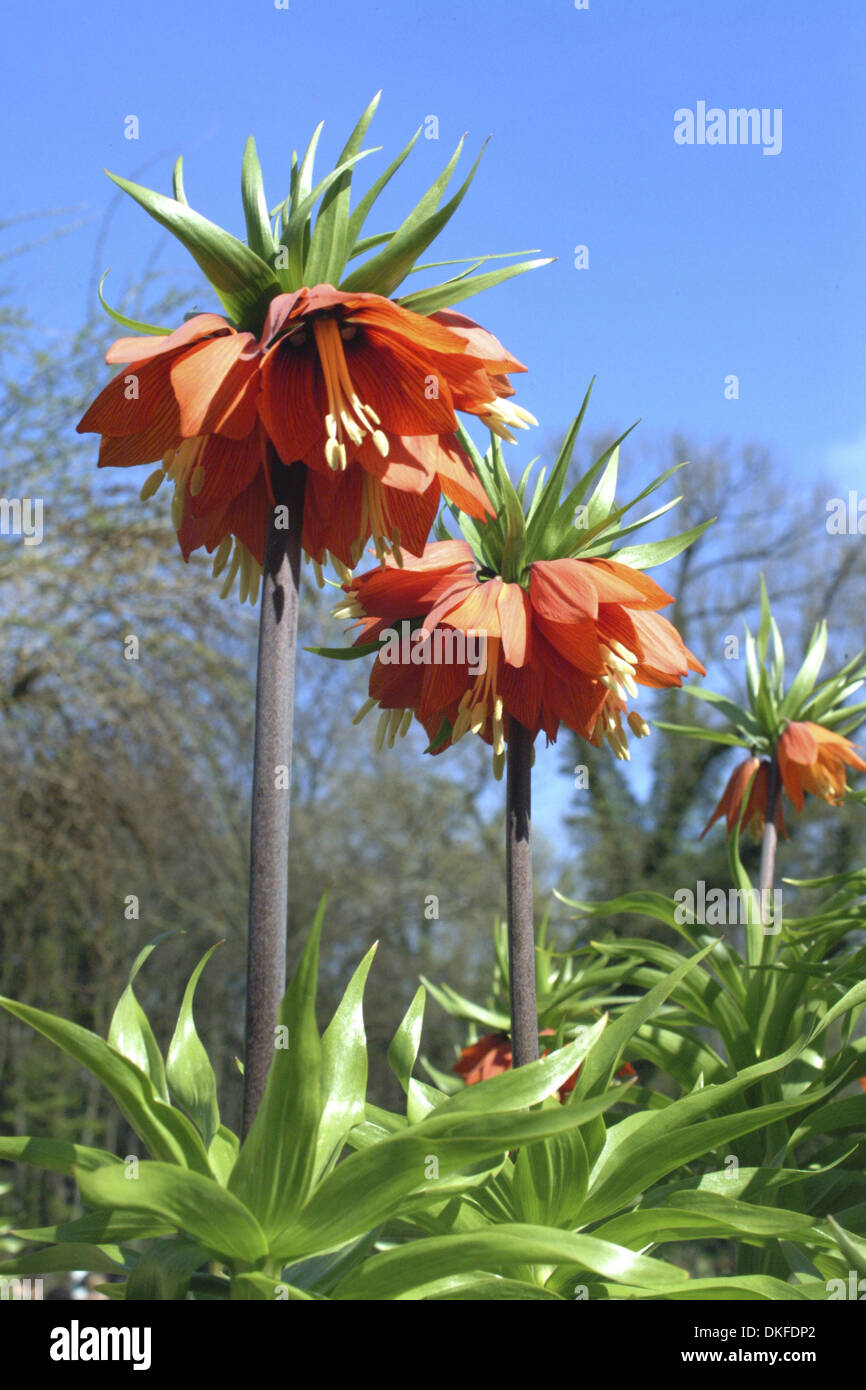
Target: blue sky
[704,261]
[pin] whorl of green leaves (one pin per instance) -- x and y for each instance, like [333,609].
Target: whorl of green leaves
[759,724]
[311,236]
[586,523]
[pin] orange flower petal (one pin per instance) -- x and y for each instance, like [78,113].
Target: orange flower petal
[139,349]
[561,590]
[216,387]
[515,622]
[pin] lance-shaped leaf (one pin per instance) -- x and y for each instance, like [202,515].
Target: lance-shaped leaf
[356,245]
[329,243]
[296,236]
[259,236]
[402,1056]
[344,1070]
[167,1133]
[453,291]
[274,1170]
[368,1186]
[405,1271]
[194,1205]
[244,283]
[804,681]
[164,1271]
[55,1155]
[384,272]
[130,1032]
[642,557]
[101,1227]
[60,1259]
[135,325]
[188,1067]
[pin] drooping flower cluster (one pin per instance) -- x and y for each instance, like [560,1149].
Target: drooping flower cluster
[360,390]
[810,759]
[571,644]
[797,738]
[315,362]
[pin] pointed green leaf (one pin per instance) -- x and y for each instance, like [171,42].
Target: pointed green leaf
[329,246]
[453,291]
[344,1070]
[259,236]
[241,279]
[60,1259]
[274,1170]
[384,272]
[55,1155]
[188,1067]
[130,1032]
[194,1205]
[362,211]
[135,325]
[642,557]
[167,1133]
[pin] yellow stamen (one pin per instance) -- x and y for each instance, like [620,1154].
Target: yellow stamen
[341,571]
[255,582]
[365,709]
[152,484]
[232,571]
[347,608]
[394,726]
[347,414]
[639,727]
[224,550]
[382,728]
[502,416]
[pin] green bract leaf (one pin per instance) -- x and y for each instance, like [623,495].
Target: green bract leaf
[258,223]
[188,1068]
[134,324]
[329,246]
[453,291]
[130,1032]
[383,273]
[241,279]
[642,557]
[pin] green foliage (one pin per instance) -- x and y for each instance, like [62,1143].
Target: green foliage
[299,250]
[586,523]
[759,724]
[285,1200]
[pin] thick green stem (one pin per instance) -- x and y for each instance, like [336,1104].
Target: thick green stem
[521,931]
[272,770]
[768,846]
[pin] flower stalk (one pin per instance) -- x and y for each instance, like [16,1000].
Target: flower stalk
[272,770]
[521,931]
[770,839]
